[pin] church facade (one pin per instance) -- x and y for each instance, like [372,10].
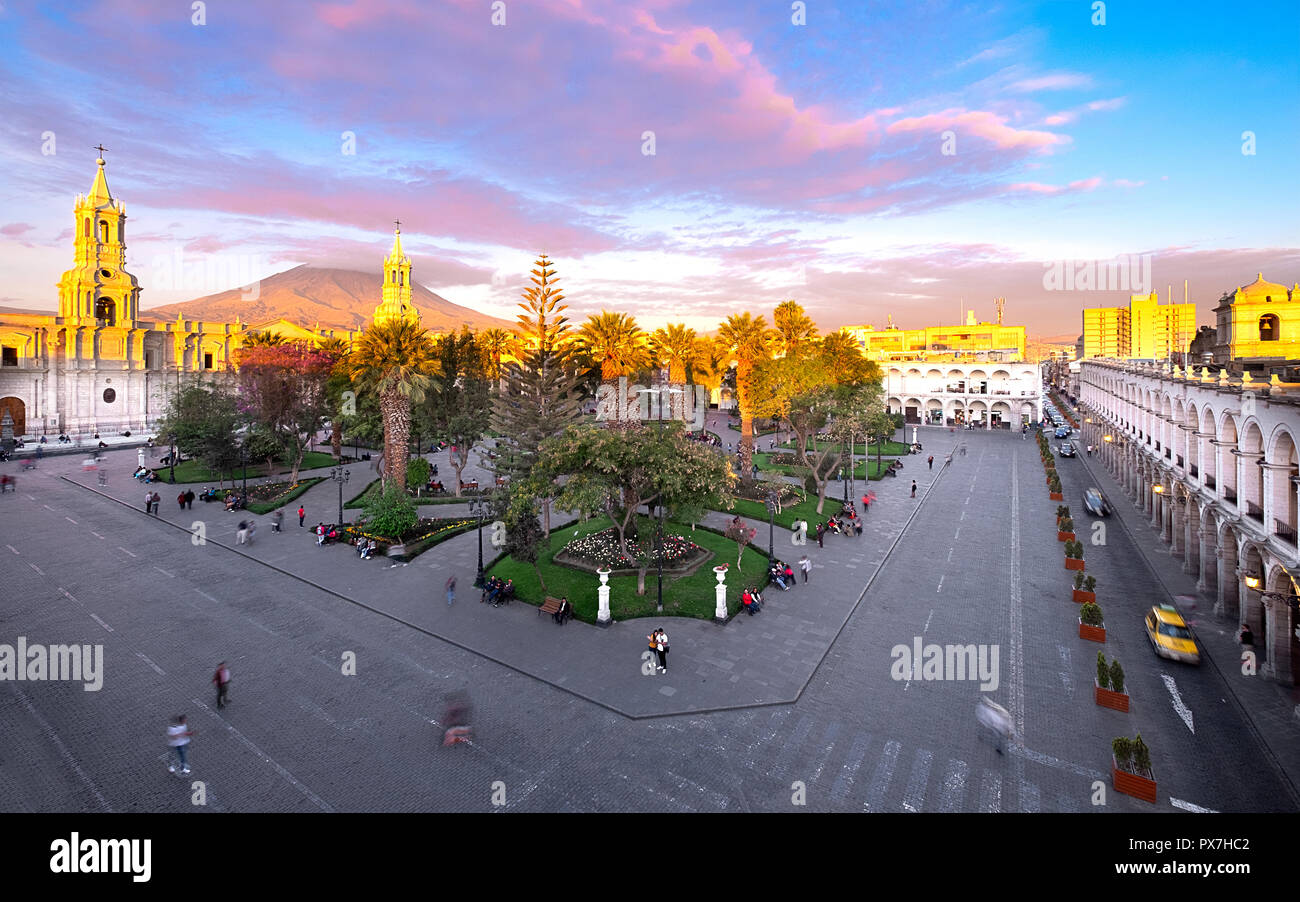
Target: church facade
[95,366]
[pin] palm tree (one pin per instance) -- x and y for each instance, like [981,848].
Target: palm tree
[795,329]
[747,340]
[396,360]
[496,343]
[337,350]
[675,345]
[263,340]
[614,343]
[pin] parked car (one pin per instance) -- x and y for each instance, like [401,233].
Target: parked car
[1067,449]
[1064,431]
[1095,503]
[1169,635]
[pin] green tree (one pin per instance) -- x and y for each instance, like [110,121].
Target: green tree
[282,388]
[795,330]
[205,419]
[460,409]
[748,342]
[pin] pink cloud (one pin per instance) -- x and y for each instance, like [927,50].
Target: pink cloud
[1058,82]
[986,125]
[14,229]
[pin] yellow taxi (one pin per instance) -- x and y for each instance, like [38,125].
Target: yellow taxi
[1169,635]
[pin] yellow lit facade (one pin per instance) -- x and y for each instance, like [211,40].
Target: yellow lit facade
[1259,320]
[396,303]
[1145,330]
[973,341]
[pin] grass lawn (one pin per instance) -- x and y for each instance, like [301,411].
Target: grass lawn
[764,463]
[265,507]
[360,500]
[891,449]
[804,510]
[684,596]
[194,471]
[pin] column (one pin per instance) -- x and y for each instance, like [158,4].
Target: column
[1191,544]
[1203,560]
[1176,539]
[1223,575]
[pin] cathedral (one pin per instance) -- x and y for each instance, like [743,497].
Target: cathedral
[96,367]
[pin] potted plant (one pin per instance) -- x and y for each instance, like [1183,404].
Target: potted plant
[1065,530]
[1109,690]
[1130,768]
[1074,555]
[1054,486]
[1084,589]
[1062,511]
[1091,625]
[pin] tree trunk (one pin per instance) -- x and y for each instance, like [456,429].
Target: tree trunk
[463,457]
[640,581]
[336,441]
[397,434]
[540,581]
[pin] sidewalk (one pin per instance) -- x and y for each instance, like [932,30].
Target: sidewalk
[1270,708]
[765,659]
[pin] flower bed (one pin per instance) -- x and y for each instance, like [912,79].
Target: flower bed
[262,499]
[600,550]
[426,533]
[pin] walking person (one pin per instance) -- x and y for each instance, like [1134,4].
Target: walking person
[931,461]
[157,502]
[252,529]
[451,590]
[178,737]
[806,566]
[189,498]
[277,520]
[242,533]
[302,515]
[821,535]
[222,680]
[148,502]
[913,488]
[180,500]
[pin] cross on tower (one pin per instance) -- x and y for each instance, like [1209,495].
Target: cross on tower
[398,223]
[101,148]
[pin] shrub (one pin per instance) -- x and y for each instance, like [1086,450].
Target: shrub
[390,514]
[417,472]
[1062,511]
[1116,676]
[1141,756]
[1078,580]
[1067,525]
[1090,614]
[1122,748]
[1103,672]
[1074,550]
[1090,583]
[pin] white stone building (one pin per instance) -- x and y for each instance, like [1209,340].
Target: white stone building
[1222,451]
[990,395]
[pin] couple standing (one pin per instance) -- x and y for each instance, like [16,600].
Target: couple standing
[659,645]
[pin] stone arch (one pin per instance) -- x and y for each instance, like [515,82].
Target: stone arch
[1281,454]
[17,409]
[1229,564]
[1250,490]
[1269,327]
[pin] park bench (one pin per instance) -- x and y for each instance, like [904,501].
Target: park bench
[551,606]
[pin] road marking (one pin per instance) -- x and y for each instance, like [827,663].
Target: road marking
[70,520]
[12,548]
[1029,798]
[940,589]
[1049,761]
[158,670]
[950,551]
[164,572]
[957,534]
[967,501]
[95,534]
[915,796]
[31,497]
[132,553]
[881,778]
[48,508]
[990,793]
[37,569]
[963,516]
[1180,708]
[923,629]
[101,623]
[1188,806]
[205,595]
[68,594]
[844,782]
[954,785]
[63,749]
[317,800]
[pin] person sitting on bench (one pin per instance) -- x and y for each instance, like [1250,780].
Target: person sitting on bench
[565,611]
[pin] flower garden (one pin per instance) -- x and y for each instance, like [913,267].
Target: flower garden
[599,550]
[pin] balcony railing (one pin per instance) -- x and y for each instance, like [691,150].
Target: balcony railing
[1193,470]
[1254,511]
[1209,482]
[1180,460]
[1284,532]
[1230,495]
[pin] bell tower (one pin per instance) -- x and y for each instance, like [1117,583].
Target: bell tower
[396,303]
[98,291]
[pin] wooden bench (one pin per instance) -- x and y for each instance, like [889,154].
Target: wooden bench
[552,606]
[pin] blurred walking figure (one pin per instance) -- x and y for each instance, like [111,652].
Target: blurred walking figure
[178,737]
[222,680]
[996,720]
[456,719]
[242,533]
[277,520]
[451,589]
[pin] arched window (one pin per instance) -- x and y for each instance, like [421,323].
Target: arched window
[85,227]
[106,310]
[1268,327]
[121,231]
[103,231]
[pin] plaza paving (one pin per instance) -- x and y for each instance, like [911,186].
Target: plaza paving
[565,718]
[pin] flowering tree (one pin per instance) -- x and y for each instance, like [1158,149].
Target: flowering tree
[742,535]
[283,388]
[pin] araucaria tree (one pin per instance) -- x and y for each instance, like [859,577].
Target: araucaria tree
[282,388]
[537,399]
[395,360]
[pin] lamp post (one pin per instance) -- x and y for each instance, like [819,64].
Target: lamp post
[243,463]
[172,439]
[477,507]
[340,476]
[772,500]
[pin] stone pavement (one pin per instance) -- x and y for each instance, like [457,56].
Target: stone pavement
[767,659]
[1270,708]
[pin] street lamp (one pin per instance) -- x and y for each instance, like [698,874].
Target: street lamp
[243,463]
[340,475]
[477,507]
[773,500]
[172,438]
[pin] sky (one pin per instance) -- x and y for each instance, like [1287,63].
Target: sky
[679,161]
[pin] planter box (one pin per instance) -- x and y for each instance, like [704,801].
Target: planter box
[1083,596]
[1109,698]
[1131,784]
[1064,536]
[1056,496]
[1072,563]
[1092,633]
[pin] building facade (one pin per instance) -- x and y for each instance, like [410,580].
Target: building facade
[989,396]
[1212,460]
[95,366]
[1146,329]
[1259,322]
[974,341]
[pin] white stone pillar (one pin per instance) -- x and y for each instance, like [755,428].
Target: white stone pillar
[602,592]
[720,594]
[1221,581]
[1203,561]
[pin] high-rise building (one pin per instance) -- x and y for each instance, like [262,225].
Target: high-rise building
[973,341]
[1146,329]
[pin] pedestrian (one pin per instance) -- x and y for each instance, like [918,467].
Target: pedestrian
[157,502]
[806,566]
[302,515]
[178,737]
[222,680]
[189,498]
[931,461]
[180,500]
[243,532]
[139,457]
[252,530]
[276,521]
[148,502]
[661,647]
[821,535]
[451,589]
[913,488]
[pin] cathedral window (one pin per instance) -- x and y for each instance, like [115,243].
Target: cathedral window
[207,361]
[1268,327]
[103,231]
[10,356]
[85,227]
[106,311]
[121,231]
